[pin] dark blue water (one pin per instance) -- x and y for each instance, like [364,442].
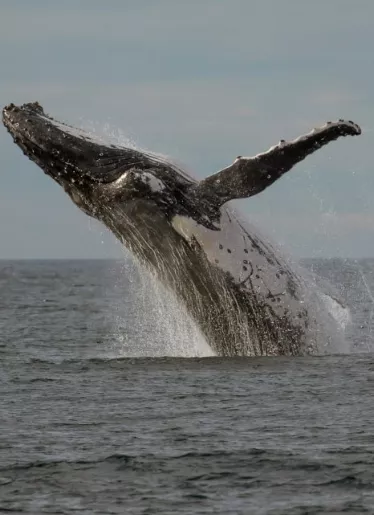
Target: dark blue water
[88,428]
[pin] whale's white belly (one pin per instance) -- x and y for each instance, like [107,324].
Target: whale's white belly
[237,248]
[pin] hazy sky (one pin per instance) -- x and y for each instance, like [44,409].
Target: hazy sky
[203,81]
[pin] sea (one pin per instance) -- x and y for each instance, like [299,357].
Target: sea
[111,402]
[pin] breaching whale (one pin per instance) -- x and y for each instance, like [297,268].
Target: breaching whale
[244,296]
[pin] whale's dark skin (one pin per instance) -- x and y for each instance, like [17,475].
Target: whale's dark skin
[240,291]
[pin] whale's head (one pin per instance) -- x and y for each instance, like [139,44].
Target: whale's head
[96,175]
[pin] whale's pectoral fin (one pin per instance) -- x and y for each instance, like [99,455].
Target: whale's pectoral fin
[248,176]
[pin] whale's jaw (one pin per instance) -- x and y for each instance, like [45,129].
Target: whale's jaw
[84,166]
[66,154]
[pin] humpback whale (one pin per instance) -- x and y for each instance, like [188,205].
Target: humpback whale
[244,295]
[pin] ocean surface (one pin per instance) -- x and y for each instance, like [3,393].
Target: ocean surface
[110,403]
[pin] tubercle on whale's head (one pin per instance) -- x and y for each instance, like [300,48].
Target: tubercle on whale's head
[87,168]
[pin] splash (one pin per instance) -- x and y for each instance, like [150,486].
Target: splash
[148,320]
[165,328]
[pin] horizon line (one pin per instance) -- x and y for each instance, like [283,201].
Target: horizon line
[4,259]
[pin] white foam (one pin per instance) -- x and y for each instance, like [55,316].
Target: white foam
[150,321]
[340,313]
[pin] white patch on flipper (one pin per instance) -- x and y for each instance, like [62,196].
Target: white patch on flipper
[147,178]
[152,181]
